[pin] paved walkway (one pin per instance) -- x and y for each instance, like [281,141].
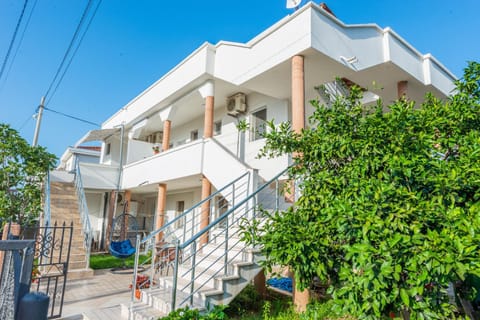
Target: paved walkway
[99,296]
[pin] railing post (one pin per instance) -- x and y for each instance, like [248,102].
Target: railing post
[225,262]
[277,198]
[135,268]
[184,227]
[175,276]
[192,277]
[152,262]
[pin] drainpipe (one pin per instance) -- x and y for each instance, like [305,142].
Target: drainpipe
[120,166]
[120,172]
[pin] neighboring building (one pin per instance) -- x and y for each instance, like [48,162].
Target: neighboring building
[192,111]
[85,154]
[96,199]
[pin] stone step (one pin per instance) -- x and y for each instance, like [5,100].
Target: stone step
[74,265]
[80,273]
[109,313]
[140,311]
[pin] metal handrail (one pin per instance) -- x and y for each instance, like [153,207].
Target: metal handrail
[198,204]
[84,215]
[181,247]
[187,217]
[226,214]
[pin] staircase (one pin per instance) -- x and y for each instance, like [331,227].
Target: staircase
[64,208]
[211,266]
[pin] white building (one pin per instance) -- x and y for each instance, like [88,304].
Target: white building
[192,111]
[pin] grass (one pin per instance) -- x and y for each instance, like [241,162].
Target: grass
[107,261]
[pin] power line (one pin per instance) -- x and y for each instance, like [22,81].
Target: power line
[74,52]
[26,121]
[72,117]
[13,38]
[75,35]
[19,44]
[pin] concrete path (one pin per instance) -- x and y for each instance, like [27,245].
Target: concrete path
[97,297]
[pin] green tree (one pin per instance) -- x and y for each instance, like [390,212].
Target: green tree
[389,212]
[22,171]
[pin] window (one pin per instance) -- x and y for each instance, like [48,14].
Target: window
[194,135]
[217,128]
[259,119]
[108,149]
[179,211]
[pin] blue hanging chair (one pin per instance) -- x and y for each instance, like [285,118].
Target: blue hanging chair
[123,235]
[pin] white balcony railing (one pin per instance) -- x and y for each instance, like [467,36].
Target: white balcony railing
[199,157]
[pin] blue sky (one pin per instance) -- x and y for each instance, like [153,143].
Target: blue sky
[132,43]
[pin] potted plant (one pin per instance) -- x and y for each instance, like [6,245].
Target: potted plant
[142,282]
[156,149]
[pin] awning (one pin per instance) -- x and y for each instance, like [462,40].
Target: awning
[97,135]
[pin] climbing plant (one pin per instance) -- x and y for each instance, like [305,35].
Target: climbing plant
[22,171]
[389,207]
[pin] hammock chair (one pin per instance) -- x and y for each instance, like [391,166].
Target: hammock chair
[122,237]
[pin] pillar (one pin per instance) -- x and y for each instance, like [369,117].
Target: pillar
[205,213]
[298,94]
[126,202]
[259,282]
[207,92]
[126,209]
[161,203]
[402,89]
[166,135]
[208,123]
[300,298]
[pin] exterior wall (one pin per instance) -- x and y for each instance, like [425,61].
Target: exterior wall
[95,203]
[114,157]
[137,150]
[181,134]
[286,38]
[334,39]
[193,67]
[97,176]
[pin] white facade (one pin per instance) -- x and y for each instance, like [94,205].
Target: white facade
[261,70]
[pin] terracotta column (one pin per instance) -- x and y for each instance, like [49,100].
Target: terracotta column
[300,298]
[126,202]
[402,89]
[208,123]
[259,282]
[298,94]
[205,214]
[14,229]
[166,135]
[161,203]
[126,209]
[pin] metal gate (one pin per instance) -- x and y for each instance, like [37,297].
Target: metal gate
[50,267]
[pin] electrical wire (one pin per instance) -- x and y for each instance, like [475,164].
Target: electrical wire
[26,121]
[74,53]
[12,41]
[19,44]
[74,38]
[71,117]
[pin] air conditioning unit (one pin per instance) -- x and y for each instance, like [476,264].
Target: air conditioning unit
[236,104]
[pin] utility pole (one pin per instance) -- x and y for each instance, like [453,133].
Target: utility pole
[39,121]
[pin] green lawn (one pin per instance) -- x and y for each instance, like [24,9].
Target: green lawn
[107,261]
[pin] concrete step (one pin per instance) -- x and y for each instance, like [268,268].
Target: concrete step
[139,311]
[77,265]
[80,273]
[108,313]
